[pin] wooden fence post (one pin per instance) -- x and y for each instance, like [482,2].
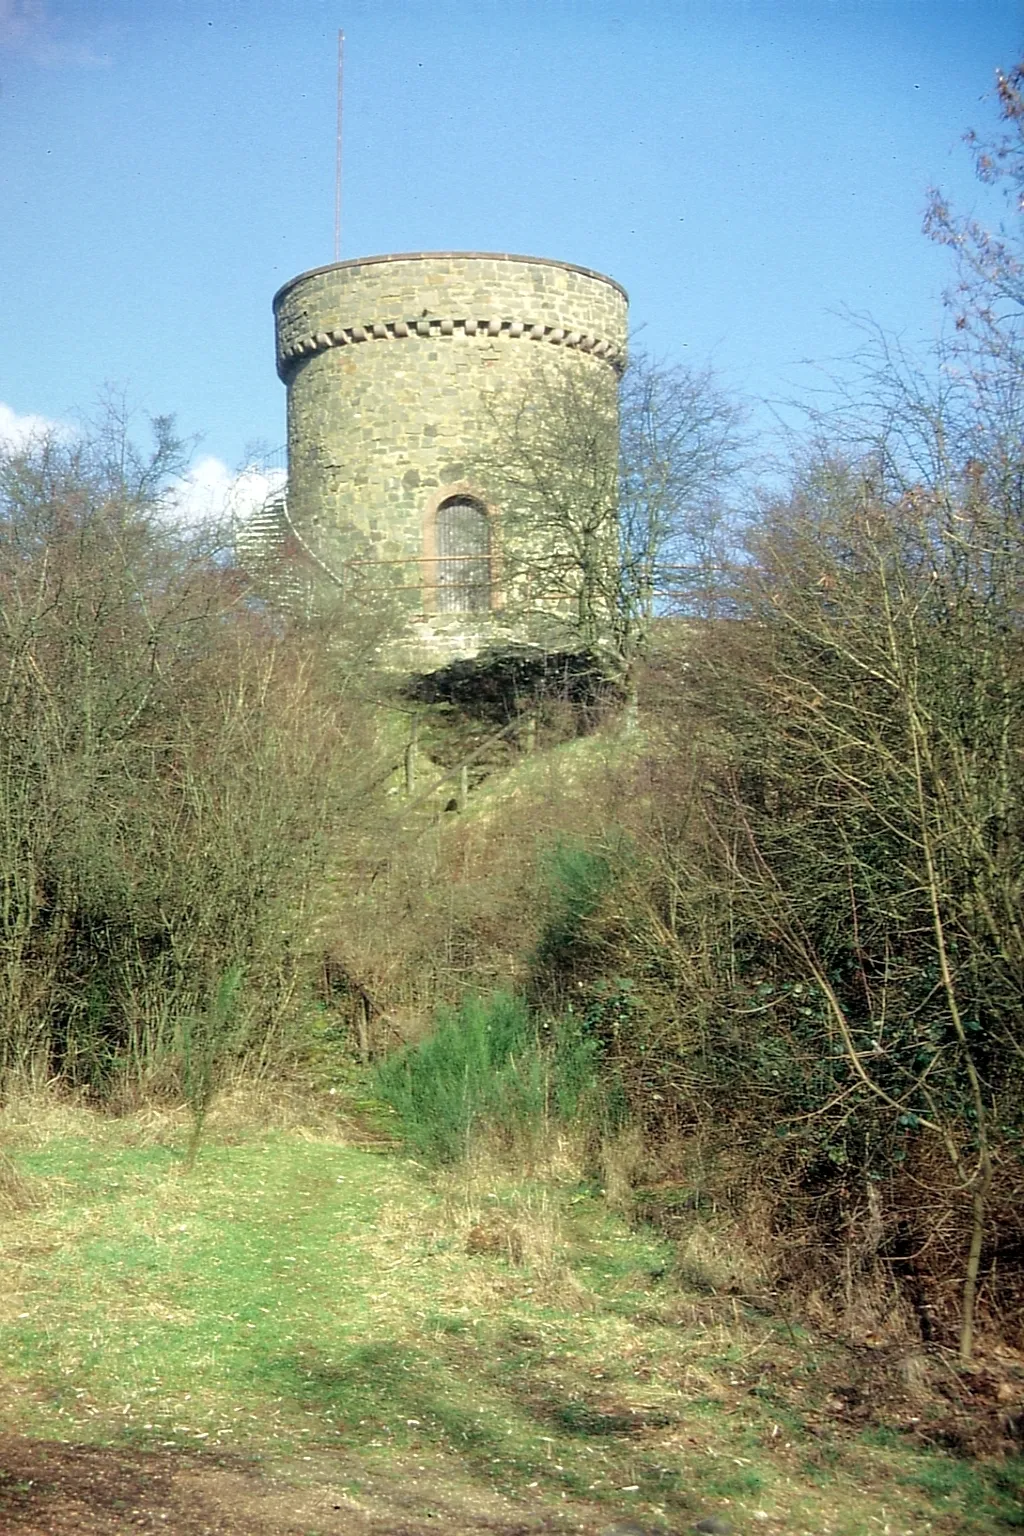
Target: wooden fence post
[410,760]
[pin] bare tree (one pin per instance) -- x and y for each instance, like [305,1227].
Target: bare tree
[681,446]
[611,500]
[988,299]
[884,786]
[552,469]
[173,768]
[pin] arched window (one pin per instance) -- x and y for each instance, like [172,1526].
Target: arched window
[464,556]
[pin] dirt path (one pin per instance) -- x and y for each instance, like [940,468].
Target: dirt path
[51,1489]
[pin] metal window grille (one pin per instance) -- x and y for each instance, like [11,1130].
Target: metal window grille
[464,556]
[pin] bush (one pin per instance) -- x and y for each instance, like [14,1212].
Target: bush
[491,1069]
[575,876]
[820,924]
[175,772]
[481,1067]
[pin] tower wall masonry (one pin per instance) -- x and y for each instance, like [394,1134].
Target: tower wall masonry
[391,364]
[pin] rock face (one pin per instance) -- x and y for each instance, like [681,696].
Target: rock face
[392,364]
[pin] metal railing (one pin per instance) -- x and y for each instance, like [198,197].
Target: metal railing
[678,586]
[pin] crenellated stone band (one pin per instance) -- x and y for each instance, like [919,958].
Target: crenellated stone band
[426,328]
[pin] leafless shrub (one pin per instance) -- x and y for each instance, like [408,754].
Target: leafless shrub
[173,767]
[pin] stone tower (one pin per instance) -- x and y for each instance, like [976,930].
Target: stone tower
[391,365]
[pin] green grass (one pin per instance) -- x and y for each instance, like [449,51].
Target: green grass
[293,1296]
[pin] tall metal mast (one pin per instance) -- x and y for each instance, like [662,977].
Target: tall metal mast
[337,157]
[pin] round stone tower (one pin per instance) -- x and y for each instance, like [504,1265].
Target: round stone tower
[391,365]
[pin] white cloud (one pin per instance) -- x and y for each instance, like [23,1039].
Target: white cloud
[211,493]
[17,431]
[27,27]
[20,21]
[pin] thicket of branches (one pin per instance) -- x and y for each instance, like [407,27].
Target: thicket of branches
[172,769]
[830,895]
[612,500]
[813,962]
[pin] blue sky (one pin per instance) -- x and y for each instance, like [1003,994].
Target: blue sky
[748,169]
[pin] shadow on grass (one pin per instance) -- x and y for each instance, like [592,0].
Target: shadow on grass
[511,1427]
[506,1427]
